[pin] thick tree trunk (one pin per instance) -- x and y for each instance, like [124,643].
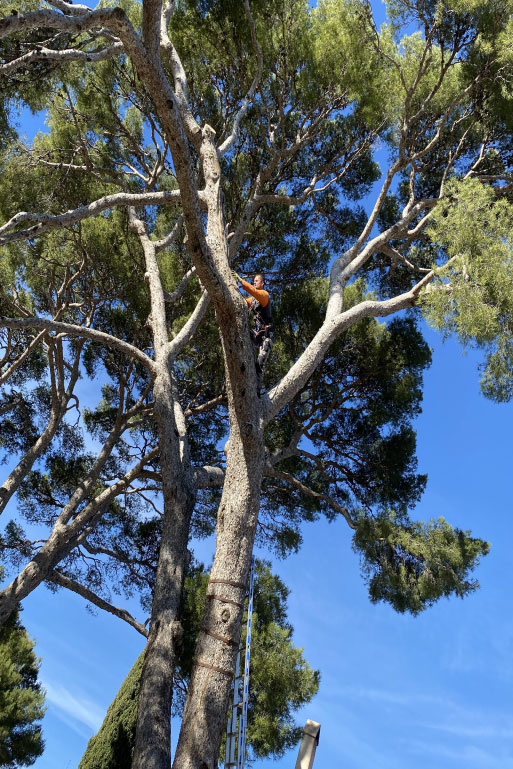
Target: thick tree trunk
[204,717]
[152,746]
[153,736]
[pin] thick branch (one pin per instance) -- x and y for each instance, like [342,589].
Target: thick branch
[331,329]
[47,222]
[63,56]
[81,331]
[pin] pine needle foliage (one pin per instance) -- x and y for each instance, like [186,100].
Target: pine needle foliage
[21,697]
[411,565]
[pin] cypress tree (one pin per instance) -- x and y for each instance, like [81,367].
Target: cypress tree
[112,747]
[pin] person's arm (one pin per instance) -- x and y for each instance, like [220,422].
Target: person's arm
[260,294]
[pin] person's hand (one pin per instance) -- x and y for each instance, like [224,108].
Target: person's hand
[237,276]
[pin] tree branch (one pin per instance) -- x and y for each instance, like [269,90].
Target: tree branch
[48,222]
[228,142]
[273,473]
[58,578]
[69,329]
[62,56]
[331,329]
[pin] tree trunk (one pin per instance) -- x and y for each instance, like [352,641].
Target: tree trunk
[204,717]
[152,746]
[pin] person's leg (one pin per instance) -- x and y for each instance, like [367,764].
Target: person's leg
[261,361]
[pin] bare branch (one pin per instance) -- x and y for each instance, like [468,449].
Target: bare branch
[48,222]
[189,329]
[62,56]
[273,473]
[58,578]
[398,257]
[69,329]
[192,410]
[228,142]
[170,238]
[72,9]
[331,329]
[46,18]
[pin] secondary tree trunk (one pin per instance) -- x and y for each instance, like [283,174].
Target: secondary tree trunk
[152,746]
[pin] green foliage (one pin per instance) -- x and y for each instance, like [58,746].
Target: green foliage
[21,697]
[112,747]
[412,565]
[473,297]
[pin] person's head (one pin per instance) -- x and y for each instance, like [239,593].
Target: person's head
[259,281]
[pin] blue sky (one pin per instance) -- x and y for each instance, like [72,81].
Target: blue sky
[396,692]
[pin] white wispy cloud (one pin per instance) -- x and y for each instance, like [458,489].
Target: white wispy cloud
[473,731]
[78,707]
[467,755]
[406,699]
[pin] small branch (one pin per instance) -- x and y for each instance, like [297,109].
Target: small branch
[398,257]
[273,473]
[228,142]
[170,238]
[192,410]
[58,578]
[73,10]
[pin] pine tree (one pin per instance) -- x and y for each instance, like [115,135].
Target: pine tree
[21,697]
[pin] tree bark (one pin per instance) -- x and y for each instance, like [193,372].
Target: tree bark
[152,746]
[153,735]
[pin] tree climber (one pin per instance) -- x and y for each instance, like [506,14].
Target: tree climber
[262,331]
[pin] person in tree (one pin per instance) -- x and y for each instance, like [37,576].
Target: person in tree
[262,332]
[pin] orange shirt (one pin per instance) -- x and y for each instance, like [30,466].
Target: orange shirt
[260,294]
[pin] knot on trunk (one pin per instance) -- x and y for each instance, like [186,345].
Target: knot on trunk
[247,429]
[177,631]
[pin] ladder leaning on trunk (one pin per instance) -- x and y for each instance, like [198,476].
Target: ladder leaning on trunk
[238,715]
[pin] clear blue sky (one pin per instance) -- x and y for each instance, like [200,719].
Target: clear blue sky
[396,692]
